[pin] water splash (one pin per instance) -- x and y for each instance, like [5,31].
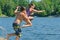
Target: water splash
[3,32]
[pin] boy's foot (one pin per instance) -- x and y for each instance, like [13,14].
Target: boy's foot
[1,38]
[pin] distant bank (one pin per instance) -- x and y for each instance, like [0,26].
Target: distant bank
[3,16]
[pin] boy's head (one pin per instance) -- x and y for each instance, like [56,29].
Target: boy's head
[21,8]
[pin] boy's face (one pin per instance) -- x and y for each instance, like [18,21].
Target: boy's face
[24,11]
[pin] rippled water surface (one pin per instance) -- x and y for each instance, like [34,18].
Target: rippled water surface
[43,28]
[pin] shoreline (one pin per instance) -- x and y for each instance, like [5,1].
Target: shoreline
[3,15]
[34,16]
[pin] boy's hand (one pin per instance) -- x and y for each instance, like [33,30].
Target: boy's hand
[17,7]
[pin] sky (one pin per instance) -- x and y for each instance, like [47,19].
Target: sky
[36,0]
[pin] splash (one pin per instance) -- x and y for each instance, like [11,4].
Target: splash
[3,33]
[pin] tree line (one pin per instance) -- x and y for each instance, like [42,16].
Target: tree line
[51,7]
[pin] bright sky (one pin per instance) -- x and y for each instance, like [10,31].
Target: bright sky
[36,0]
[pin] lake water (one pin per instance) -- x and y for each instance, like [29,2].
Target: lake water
[43,28]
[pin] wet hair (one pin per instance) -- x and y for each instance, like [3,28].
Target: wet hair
[21,8]
[31,5]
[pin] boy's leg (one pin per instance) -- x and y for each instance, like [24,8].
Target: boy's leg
[17,37]
[8,35]
[13,34]
[30,17]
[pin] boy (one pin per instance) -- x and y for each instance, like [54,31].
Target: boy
[20,15]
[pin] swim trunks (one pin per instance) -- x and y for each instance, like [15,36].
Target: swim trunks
[17,29]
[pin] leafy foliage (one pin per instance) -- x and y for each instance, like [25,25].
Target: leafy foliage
[51,7]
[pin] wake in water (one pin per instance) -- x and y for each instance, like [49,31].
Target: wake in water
[3,33]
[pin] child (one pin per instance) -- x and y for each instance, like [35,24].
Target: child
[20,15]
[31,9]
